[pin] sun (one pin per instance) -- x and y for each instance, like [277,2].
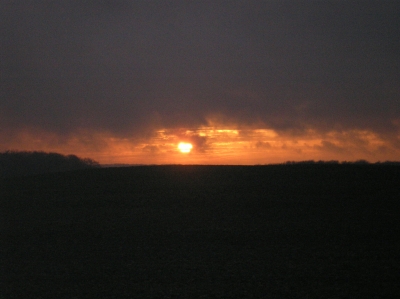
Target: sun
[185,147]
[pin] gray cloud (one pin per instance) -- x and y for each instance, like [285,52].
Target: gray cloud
[130,66]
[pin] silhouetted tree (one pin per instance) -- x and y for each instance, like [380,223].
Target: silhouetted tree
[358,162]
[17,163]
[388,163]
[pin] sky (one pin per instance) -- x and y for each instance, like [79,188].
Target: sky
[245,82]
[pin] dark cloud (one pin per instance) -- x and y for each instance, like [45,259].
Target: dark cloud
[130,66]
[153,149]
[326,145]
[200,143]
[261,144]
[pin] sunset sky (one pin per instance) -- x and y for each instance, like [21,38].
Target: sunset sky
[244,82]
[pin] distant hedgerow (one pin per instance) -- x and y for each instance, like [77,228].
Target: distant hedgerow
[357,162]
[18,163]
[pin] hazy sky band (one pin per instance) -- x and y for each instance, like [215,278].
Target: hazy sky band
[129,68]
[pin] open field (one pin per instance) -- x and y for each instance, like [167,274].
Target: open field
[285,231]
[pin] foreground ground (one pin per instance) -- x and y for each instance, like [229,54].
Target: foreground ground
[294,231]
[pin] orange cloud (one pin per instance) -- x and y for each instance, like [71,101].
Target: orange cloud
[212,145]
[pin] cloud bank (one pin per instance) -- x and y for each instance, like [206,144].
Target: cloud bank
[77,70]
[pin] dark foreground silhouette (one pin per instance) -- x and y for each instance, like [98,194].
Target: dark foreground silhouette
[284,231]
[19,163]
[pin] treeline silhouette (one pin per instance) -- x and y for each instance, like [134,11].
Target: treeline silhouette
[20,163]
[357,162]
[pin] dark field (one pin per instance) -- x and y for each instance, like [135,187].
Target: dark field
[288,231]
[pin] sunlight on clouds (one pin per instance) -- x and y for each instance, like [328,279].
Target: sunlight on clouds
[267,146]
[212,145]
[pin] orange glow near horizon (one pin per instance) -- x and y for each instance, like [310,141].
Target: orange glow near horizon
[212,145]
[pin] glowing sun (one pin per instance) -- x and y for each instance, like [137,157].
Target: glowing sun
[185,147]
